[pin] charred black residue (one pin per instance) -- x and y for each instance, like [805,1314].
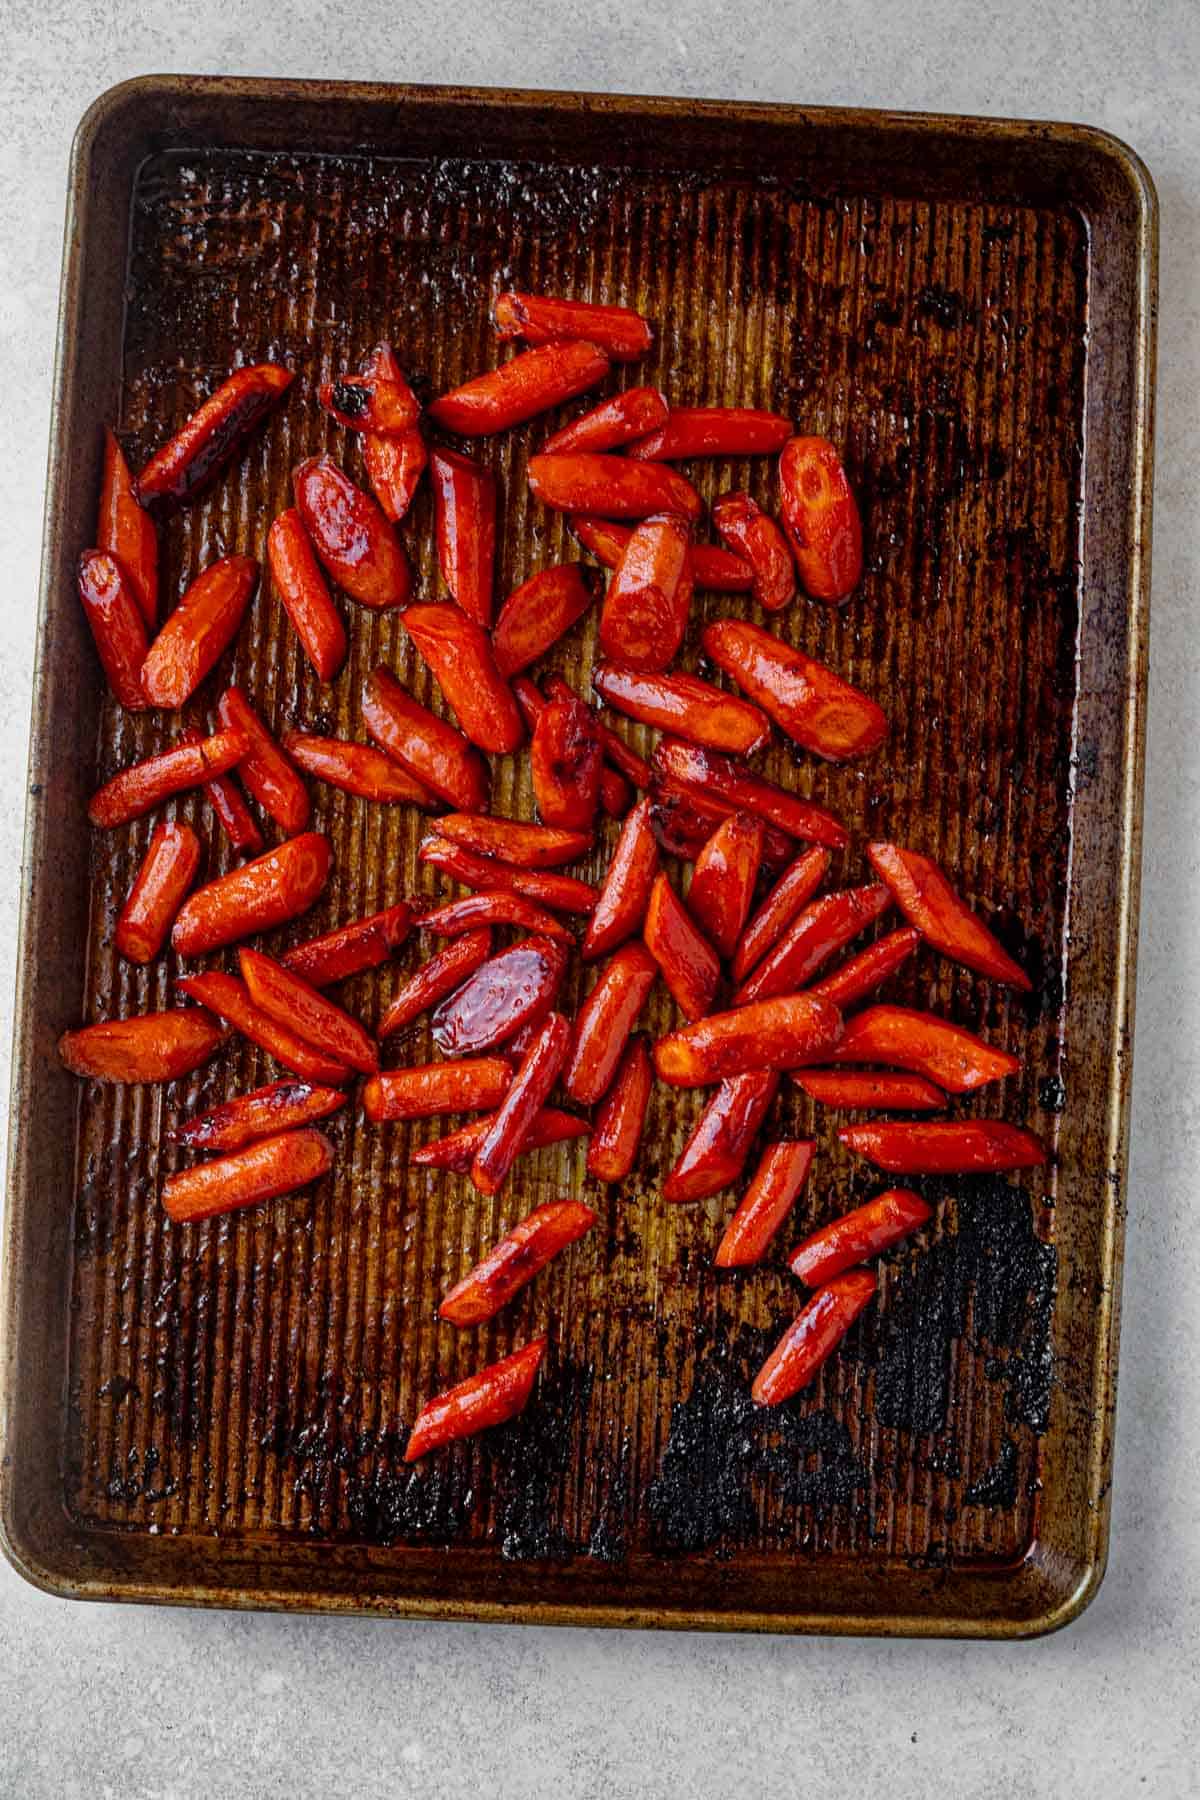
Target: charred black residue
[532,1461]
[997,1486]
[352,398]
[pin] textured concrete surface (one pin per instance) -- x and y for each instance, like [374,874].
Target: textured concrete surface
[142,1705]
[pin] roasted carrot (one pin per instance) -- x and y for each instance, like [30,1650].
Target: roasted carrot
[425,745]
[144,785]
[213,435]
[538,613]
[812,1337]
[295,1003]
[202,626]
[533,382]
[515,1260]
[685,706]
[503,994]
[394,464]
[436,977]
[357,769]
[862,974]
[126,531]
[928,901]
[774,1034]
[622,1115]
[565,765]
[363,944]
[719,778]
[712,567]
[351,535]
[645,612]
[266,1111]
[886,1093]
[564,893]
[230,999]
[305,595]
[903,1038]
[626,761]
[474,1085]
[944,1146]
[717,1149]
[615,421]
[117,625]
[781,1173]
[605,1021]
[493,909]
[383,405]
[795,887]
[263,1171]
[531,1085]
[823,928]
[460,654]
[265,772]
[542,318]
[690,966]
[514,841]
[464,512]
[626,892]
[821,517]
[815,707]
[867,1231]
[165,876]
[275,887]
[158,1046]
[685,817]
[228,802]
[724,878]
[755,536]
[615,795]
[714,431]
[612,487]
[457,1149]
[497,1394]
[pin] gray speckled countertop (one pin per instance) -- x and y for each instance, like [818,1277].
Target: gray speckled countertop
[136,1704]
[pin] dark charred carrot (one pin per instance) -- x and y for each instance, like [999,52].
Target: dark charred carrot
[605,1021]
[158,1046]
[823,928]
[821,517]
[685,706]
[542,318]
[944,1146]
[503,994]
[867,1231]
[117,625]
[714,431]
[266,1111]
[812,1337]
[612,487]
[497,1394]
[351,536]
[625,895]
[531,1085]
[144,785]
[627,762]
[425,745]
[615,795]
[476,1084]
[538,613]
[724,878]
[263,1171]
[815,707]
[213,435]
[715,1153]
[533,382]
[230,999]
[616,421]
[712,567]
[227,801]
[719,778]
[165,876]
[357,769]
[460,654]
[622,1115]
[564,893]
[305,594]
[690,966]
[883,1093]
[860,975]
[645,612]
[265,772]
[126,531]
[753,534]
[768,1200]
[383,405]
[774,1034]
[457,1149]
[464,510]
[515,1260]
[493,909]
[363,944]
[928,901]
[565,765]
[437,977]
[514,841]
[791,893]
[201,627]
[684,818]
[927,1045]
[295,1003]
[394,464]
[275,887]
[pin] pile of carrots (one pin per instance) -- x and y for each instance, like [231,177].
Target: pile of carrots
[505,1047]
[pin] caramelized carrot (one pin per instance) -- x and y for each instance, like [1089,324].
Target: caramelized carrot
[689,964]
[887,1093]
[823,928]
[720,1142]
[812,1337]
[768,1200]
[266,1111]
[565,765]
[821,518]
[126,531]
[928,901]
[213,435]
[263,1171]
[457,1149]
[685,817]
[436,977]
[685,706]
[605,1020]
[862,974]
[464,511]
[357,769]
[165,876]
[503,994]
[867,1231]
[473,1085]
[394,464]
[531,383]
[645,611]
[497,1394]
[626,892]
[117,625]
[363,944]
[460,654]
[351,536]
[712,567]
[622,1115]
[612,487]
[724,878]
[513,841]
[305,595]
[755,536]
[521,1105]
[542,318]
[265,771]
[493,909]
[230,999]
[203,625]
[275,887]
[295,1003]
[145,785]
[944,1146]
[425,745]
[158,1046]
[565,893]
[714,431]
[225,798]
[626,761]
[719,778]
[902,1038]
[615,421]
[815,707]
[514,1262]
[774,1034]
[615,795]
[538,613]
[385,406]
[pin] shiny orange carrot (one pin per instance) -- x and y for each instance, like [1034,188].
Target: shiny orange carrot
[459,653]
[633,767]
[714,431]
[943,918]
[690,966]
[619,911]
[201,627]
[615,795]
[774,1034]
[305,595]
[684,705]
[497,1394]
[564,893]
[383,405]
[616,421]
[265,772]
[605,1021]
[543,318]
[502,995]
[230,999]
[812,1337]
[860,975]
[126,531]
[784,903]
[425,745]
[264,1171]
[275,887]
[565,763]
[781,1173]
[117,625]
[822,519]
[264,1112]
[357,769]
[712,567]
[645,612]
[514,841]
[716,777]
[879,1092]
[720,1142]
[612,487]
[684,817]
[815,707]
[753,534]
[493,909]
[145,785]
[457,1149]
[227,801]
[519,1256]
[165,876]
[473,1085]
[213,435]
[903,1038]
[394,464]
[945,1146]
[295,1003]
[464,510]
[724,878]
[158,1046]
[438,976]
[351,536]
[622,1115]
[538,613]
[867,1231]
[533,382]
[362,944]
[531,1085]
[824,927]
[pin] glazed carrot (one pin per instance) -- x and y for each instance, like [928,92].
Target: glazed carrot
[605,1020]
[464,511]
[823,928]
[747,529]
[902,1038]
[214,434]
[541,318]
[351,535]
[565,765]
[860,975]
[383,405]
[357,769]
[867,1231]
[944,1146]
[436,977]
[714,431]
[515,1260]
[263,1171]
[165,876]
[295,1003]
[645,611]
[622,1115]
[531,383]
[719,1144]
[716,777]
[627,762]
[158,1046]
[265,772]
[117,625]
[538,613]
[612,487]
[144,785]
[503,994]
[685,706]
[460,654]
[203,625]
[712,567]
[226,800]
[626,892]
[724,878]
[791,893]
[474,1085]
[685,817]
[458,916]
[615,421]
[230,999]
[363,944]
[886,1093]
[126,531]
[305,594]
[564,893]
[513,841]
[457,1149]
[425,745]
[812,1337]
[781,1173]
[394,464]
[821,518]
[275,887]
[615,795]
[690,966]
[774,1034]
[815,707]
[497,1394]
[928,901]
[531,1085]
[280,1106]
